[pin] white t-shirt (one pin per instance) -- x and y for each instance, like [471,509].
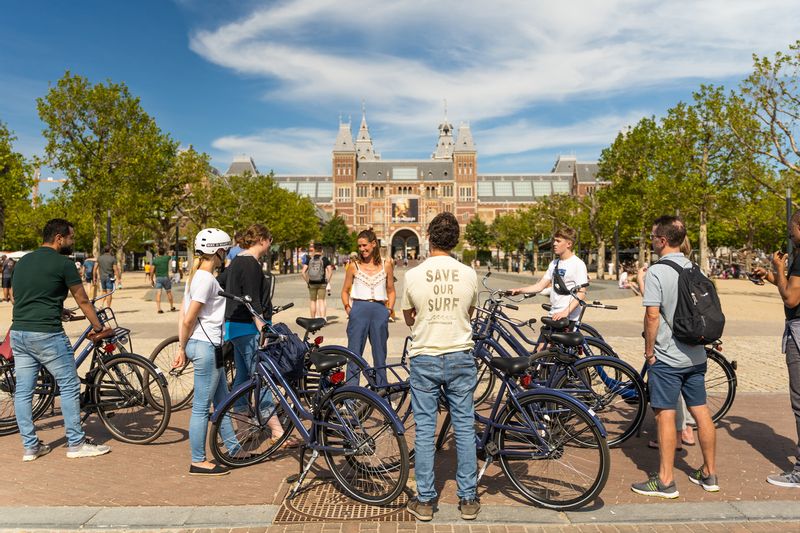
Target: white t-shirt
[573,271]
[204,288]
[442,290]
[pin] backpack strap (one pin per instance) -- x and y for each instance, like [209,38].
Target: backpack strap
[677,268]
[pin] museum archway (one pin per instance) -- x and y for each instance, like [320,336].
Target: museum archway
[405,245]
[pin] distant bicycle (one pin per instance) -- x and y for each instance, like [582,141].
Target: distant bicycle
[128,393]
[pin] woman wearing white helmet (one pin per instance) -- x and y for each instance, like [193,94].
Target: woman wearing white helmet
[200,333]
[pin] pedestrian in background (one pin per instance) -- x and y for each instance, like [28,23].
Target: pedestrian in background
[439,297]
[788,284]
[317,272]
[7,266]
[108,273]
[368,296]
[160,279]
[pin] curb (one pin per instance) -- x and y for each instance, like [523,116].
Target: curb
[249,516]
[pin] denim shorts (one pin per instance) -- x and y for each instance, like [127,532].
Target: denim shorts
[666,383]
[164,283]
[107,284]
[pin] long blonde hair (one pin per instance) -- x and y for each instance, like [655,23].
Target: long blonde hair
[198,260]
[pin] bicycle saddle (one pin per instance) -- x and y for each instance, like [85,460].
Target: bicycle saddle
[324,362]
[513,366]
[547,307]
[311,324]
[566,338]
[555,324]
[547,355]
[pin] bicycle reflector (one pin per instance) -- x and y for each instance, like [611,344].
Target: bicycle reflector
[525,380]
[110,347]
[337,377]
[319,340]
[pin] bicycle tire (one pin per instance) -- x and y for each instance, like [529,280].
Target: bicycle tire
[616,394]
[253,436]
[132,402]
[593,347]
[548,420]
[362,474]
[720,383]
[43,397]
[180,381]
[486,380]
[589,331]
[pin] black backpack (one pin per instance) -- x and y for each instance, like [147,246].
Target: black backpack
[559,285]
[698,318]
[316,270]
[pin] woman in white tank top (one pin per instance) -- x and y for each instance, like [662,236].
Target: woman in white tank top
[369,282]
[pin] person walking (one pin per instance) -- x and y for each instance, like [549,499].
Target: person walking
[245,277]
[317,272]
[565,272]
[439,297]
[108,273]
[202,318]
[160,279]
[788,284]
[369,283]
[87,273]
[7,266]
[675,368]
[40,286]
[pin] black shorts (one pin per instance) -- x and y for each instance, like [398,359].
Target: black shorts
[6,283]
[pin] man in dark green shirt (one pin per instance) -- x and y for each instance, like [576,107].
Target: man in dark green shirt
[160,279]
[40,283]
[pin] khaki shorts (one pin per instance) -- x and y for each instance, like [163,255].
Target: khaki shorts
[316,292]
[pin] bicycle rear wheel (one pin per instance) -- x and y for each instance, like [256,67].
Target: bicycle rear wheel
[131,399]
[369,458]
[543,451]
[720,384]
[43,396]
[485,383]
[612,389]
[251,440]
[180,381]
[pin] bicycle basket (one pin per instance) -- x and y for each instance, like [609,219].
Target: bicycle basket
[288,356]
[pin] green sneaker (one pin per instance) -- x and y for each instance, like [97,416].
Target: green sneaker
[709,482]
[654,487]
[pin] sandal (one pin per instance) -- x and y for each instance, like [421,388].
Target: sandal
[654,444]
[291,442]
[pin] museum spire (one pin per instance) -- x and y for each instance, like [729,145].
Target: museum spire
[364,149]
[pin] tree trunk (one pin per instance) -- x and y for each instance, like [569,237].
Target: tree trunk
[643,241]
[535,257]
[97,227]
[748,252]
[704,240]
[508,261]
[601,259]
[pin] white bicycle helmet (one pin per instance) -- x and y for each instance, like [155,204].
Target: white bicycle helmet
[210,240]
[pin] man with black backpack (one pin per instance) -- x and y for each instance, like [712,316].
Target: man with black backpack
[317,271]
[682,315]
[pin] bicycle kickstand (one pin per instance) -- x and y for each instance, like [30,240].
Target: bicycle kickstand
[486,464]
[304,473]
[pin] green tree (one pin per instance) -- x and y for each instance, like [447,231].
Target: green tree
[15,181]
[336,235]
[112,152]
[477,234]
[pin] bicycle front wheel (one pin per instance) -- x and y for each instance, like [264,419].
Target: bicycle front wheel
[249,429]
[720,384]
[364,451]
[612,389]
[543,451]
[180,381]
[131,399]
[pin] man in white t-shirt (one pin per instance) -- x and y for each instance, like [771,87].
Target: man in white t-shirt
[570,269]
[439,297]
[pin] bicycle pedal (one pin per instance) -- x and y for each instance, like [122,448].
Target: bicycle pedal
[491,448]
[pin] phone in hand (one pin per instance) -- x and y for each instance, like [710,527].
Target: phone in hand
[755,279]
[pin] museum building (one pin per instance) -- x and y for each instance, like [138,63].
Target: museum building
[397,198]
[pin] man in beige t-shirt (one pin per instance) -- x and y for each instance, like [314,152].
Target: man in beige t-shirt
[439,297]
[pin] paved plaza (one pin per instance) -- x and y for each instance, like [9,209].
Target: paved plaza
[148,487]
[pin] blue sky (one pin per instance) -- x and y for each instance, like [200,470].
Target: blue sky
[270,79]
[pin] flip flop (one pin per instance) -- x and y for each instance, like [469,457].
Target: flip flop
[654,444]
[687,443]
[160,312]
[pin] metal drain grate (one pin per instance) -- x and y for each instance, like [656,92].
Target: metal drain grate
[323,502]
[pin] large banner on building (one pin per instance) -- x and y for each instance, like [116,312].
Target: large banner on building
[405,210]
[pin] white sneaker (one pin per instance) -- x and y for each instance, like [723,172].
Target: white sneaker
[87,449]
[32,455]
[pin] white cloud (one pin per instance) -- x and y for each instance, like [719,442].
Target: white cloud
[490,60]
[294,150]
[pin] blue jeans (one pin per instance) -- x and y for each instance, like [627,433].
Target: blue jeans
[368,319]
[455,374]
[209,384]
[32,350]
[245,358]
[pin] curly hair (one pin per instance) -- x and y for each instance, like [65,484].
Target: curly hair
[443,231]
